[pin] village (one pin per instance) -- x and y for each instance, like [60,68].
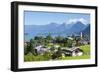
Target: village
[48,48]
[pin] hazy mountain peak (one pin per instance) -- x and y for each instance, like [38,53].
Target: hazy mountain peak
[73,21]
[53,23]
[79,22]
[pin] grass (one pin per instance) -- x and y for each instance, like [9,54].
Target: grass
[86,49]
[29,57]
[77,57]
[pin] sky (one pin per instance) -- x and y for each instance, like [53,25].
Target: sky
[43,18]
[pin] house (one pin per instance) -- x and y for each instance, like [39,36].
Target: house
[76,51]
[68,52]
[41,49]
[84,42]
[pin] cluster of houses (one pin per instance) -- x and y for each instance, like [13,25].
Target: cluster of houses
[73,51]
[82,40]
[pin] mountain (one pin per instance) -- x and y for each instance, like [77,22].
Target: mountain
[86,31]
[79,26]
[34,30]
[54,29]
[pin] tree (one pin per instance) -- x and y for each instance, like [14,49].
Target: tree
[69,43]
[77,41]
[59,39]
[65,40]
[57,54]
[30,47]
[48,38]
[36,37]
[52,49]
[39,39]
[26,49]
[73,36]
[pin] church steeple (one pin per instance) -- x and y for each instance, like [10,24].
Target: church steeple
[81,35]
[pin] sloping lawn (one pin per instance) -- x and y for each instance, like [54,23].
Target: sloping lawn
[86,49]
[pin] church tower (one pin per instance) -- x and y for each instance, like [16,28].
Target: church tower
[81,35]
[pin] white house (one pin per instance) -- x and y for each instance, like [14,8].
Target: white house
[41,50]
[76,51]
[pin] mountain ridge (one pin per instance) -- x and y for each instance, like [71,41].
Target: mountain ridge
[53,28]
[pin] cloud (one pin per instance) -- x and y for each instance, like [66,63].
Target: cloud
[76,20]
